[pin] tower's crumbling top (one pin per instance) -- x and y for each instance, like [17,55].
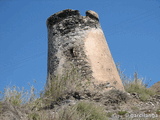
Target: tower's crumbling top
[72,19]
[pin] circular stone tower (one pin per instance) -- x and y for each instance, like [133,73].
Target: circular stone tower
[79,40]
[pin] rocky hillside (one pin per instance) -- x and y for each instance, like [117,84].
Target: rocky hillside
[86,105]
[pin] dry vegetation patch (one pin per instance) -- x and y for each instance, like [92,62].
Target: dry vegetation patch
[69,99]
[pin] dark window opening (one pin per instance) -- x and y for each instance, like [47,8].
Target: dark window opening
[71,52]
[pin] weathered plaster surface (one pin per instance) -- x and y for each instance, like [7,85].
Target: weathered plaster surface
[102,64]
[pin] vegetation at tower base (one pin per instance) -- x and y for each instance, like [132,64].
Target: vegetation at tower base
[75,102]
[70,82]
[83,111]
[137,85]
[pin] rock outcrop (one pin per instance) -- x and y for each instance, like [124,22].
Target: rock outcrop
[79,40]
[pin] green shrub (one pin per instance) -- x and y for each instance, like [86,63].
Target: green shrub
[122,112]
[158,111]
[90,111]
[109,114]
[34,116]
[142,91]
[136,85]
[83,111]
[116,97]
[68,113]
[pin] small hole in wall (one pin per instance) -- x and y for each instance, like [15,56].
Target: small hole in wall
[71,52]
[109,69]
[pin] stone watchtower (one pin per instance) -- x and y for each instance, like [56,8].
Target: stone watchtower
[79,40]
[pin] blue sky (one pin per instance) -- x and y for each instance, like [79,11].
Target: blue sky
[131,27]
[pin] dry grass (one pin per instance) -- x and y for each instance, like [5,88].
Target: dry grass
[68,82]
[143,92]
[17,96]
[82,111]
[116,97]
[15,102]
[136,85]
[16,107]
[22,104]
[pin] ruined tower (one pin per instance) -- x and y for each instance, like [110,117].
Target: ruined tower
[79,40]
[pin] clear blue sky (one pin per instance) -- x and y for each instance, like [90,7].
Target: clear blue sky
[132,29]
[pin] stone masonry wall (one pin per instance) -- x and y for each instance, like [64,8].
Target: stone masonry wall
[69,43]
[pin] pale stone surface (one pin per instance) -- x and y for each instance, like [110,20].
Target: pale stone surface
[102,64]
[79,40]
